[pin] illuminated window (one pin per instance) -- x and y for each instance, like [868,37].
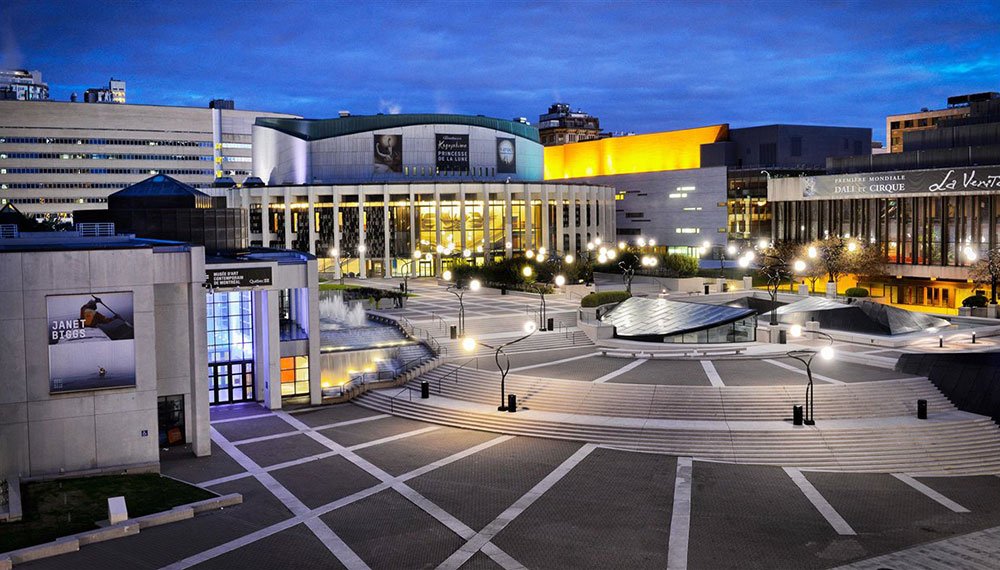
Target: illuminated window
[688,230]
[692,209]
[294,375]
[678,195]
[685,188]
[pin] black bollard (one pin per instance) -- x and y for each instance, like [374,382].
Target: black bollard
[425,389]
[512,403]
[796,415]
[921,409]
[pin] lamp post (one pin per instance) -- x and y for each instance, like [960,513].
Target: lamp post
[805,356]
[459,290]
[469,344]
[407,268]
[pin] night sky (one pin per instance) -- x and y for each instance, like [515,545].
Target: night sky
[640,67]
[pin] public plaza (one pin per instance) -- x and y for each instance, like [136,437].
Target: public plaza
[626,455]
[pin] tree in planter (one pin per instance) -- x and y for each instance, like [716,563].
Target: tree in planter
[775,266]
[986,271]
[868,263]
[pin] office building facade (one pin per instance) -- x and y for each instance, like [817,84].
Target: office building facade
[896,126]
[113,93]
[561,125]
[22,85]
[57,157]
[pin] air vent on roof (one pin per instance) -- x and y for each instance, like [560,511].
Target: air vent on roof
[344,113]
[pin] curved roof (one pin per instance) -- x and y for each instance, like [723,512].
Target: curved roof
[317,129]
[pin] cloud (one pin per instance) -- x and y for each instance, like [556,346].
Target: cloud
[389,107]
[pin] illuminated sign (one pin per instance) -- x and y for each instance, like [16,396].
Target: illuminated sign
[452,152]
[939,181]
[238,278]
[91,341]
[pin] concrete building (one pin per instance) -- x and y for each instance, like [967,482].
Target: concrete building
[59,157]
[119,343]
[22,85]
[562,125]
[113,93]
[931,211]
[898,125]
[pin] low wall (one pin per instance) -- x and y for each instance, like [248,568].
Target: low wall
[971,381]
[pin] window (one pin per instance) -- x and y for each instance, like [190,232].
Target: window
[769,153]
[294,375]
[692,209]
[688,230]
[634,215]
[678,195]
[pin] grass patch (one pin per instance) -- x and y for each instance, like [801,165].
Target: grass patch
[53,509]
[337,287]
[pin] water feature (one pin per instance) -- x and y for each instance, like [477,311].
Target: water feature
[333,310]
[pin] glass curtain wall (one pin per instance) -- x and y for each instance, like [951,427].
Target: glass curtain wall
[230,347]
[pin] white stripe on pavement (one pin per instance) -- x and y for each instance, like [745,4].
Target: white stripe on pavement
[802,372]
[621,371]
[680,518]
[825,508]
[712,373]
[931,493]
[571,359]
[481,538]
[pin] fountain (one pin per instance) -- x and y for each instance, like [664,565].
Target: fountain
[333,309]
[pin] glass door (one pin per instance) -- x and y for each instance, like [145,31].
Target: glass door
[230,382]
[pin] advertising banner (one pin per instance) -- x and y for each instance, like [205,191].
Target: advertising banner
[452,153]
[236,278]
[887,184]
[388,153]
[91,341]
[506,156]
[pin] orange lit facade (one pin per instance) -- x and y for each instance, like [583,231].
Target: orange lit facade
[655,152]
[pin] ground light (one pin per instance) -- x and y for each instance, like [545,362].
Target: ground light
[805,356]
[469,344]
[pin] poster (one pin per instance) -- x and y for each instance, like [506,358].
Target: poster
[452,152]
[91,341]
[506,156]
[388,153]
[888,184]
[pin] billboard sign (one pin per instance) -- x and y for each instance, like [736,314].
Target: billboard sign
[238,278]
[452,152]
[388,153]
[91,341]
[506,156]
[887,184]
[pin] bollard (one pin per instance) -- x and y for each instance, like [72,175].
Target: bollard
[706,288]
[425,389]
[503,289]
[796,415]
[550,324]
[782,336]
[973,337]
[454,332]
[940,341]
[512,403]
[921,409]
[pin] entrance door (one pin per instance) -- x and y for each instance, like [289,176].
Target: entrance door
[170,413]
[230,382]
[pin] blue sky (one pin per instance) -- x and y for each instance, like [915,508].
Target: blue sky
[639,66]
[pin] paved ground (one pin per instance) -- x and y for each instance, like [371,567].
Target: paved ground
[347,487]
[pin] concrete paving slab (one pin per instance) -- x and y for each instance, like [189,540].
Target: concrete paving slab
[296,547]
[597,518]
[323,481]
[389,532]
[355,434]
[478,488]
[748,516]
[180,463]
[480,561]
[754,373]
[666,372]
[587,370]
[847,371]
[405,455]
[333,414]
[981,495]
[232,411]
[276,451]
[260,507]
[246,429]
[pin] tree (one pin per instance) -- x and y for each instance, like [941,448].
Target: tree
[831,256]
[986,271]
[677,265]
[868,263]
[775,266]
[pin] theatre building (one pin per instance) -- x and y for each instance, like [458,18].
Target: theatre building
[932,209]
[118,336]
[365,193]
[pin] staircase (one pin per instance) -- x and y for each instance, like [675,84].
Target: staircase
[868,426]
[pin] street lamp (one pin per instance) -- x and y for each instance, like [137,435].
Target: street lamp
[406,268]
[805,356]
[459,290]
[469,344]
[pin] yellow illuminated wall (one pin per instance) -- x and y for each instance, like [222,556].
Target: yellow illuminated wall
[671,150]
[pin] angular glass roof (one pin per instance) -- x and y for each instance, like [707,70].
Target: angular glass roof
[639,316]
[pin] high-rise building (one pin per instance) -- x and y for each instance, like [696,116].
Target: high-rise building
[926,119]
[113,93]
[57,157]
[561,125]
[22,85]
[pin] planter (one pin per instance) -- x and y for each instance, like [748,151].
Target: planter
[965,311]
[831,290]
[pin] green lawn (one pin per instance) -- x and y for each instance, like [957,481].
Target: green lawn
[58,508]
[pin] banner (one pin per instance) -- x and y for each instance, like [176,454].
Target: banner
[452,153]
[91,341]
[887,184]
[506,156]
[388,153]
[237,278]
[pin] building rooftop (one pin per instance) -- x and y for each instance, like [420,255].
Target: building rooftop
[76,241]
[259,254]
[318,129]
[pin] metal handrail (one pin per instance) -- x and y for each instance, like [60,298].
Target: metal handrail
[455,371]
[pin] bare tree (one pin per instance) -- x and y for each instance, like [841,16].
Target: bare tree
[775,266]
[986,271]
